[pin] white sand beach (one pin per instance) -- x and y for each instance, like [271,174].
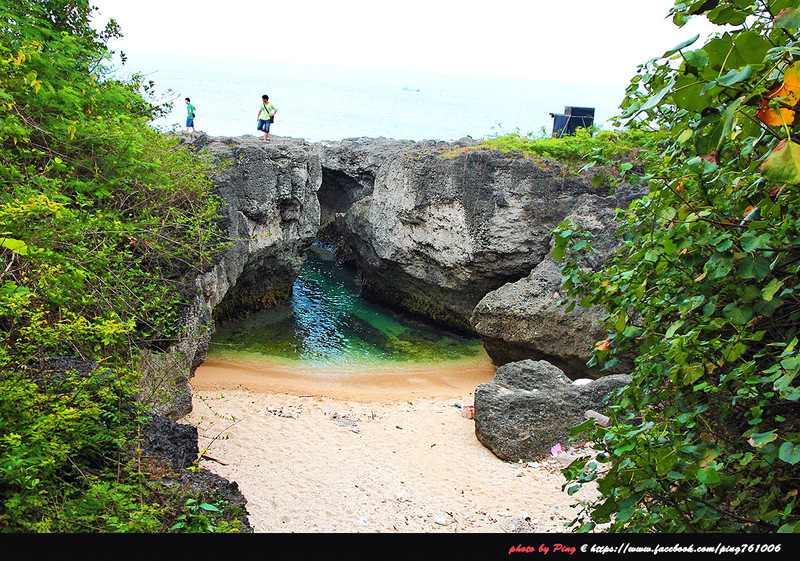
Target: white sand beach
[368,453]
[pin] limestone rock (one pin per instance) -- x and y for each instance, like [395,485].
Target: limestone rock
[530,405]
[174,443]
[271,217]
[434,228]
[524,320]
[442,227]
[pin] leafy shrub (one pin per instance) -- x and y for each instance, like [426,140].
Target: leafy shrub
[103,221]
[572,150]
[704,289]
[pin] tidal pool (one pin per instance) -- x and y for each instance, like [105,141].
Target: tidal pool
[327,325]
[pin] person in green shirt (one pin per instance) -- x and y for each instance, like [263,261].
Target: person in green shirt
[189,116]
[266,115]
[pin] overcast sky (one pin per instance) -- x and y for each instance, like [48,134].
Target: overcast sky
[594,41]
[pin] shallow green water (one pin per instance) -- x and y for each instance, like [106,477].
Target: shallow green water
[328,324]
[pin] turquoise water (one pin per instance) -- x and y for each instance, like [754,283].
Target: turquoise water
[318,102]
[327,324]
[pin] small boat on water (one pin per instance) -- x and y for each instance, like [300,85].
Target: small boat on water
[410,90]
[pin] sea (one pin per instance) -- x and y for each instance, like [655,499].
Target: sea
[319,103]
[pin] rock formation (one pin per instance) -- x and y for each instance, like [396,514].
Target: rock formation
[459,235]
[530,405]
[435,227]
[271,217]
[524,319]
[175,446]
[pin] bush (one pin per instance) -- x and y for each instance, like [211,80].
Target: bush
[604,147]
[705,289]
[103,221]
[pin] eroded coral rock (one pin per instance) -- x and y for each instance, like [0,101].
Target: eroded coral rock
[530,406]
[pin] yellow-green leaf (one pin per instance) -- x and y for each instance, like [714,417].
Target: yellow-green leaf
[17,246]
[783,164]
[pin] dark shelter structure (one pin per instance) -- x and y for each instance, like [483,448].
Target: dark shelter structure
[571,119]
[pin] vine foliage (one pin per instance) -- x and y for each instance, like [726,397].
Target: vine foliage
[704,289]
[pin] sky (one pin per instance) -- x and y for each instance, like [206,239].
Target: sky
[586,41]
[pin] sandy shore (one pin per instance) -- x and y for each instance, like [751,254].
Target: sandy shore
[378,452]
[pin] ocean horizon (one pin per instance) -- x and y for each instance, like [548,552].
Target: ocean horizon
[317,102]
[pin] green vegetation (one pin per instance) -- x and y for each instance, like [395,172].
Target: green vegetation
[102,221]
[572,150]
[611,156]
[704,289]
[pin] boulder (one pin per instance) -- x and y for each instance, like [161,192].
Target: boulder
[523,320]
[175,445]
[530,406]
[164,440]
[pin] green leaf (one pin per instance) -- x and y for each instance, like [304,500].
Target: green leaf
[652,255]
[735,76]
[788,19]
[692,373]
[751,47]
[698,58]
[583,427]
[737,314]
[728,120]
[751,241]
[789,528]
[783,164]
[727,15]
[681,46]
[754,268]
[720,130]
[209,507]
[789,453]
[768,292]
[673,328]
[655,100]
[686,93]
[622,322]
[763,438]
[665,459]
[719,265]
[708,476]
[17,246]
